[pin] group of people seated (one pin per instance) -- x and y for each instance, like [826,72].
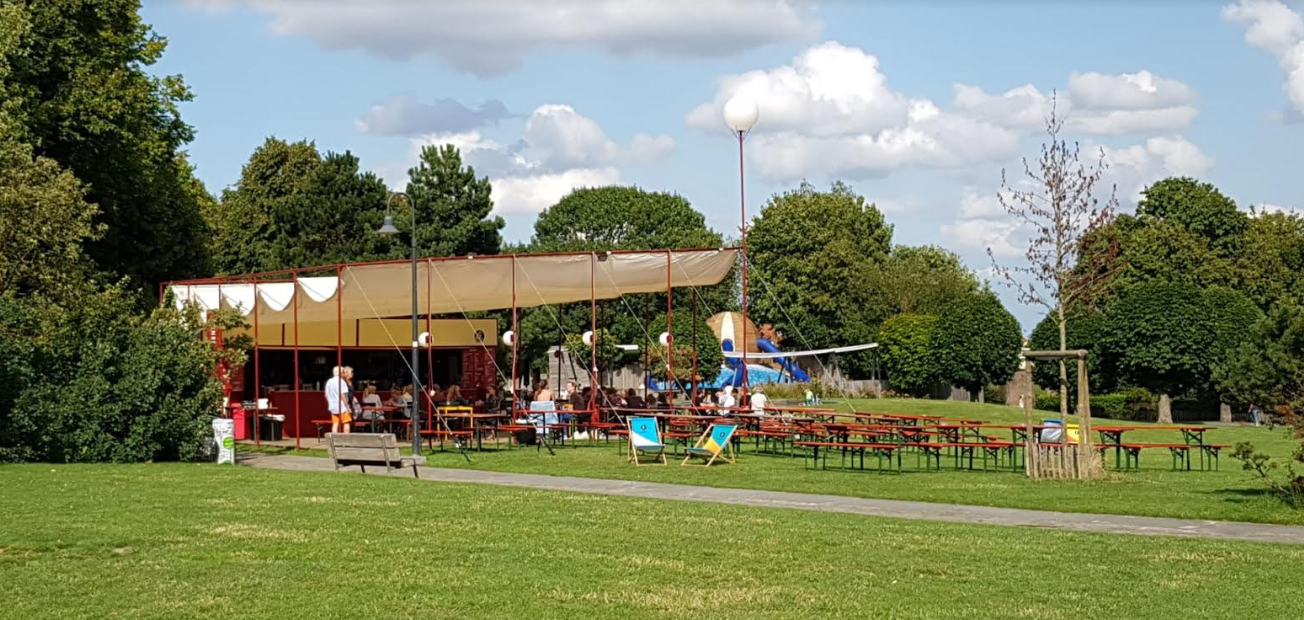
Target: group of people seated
[611,398]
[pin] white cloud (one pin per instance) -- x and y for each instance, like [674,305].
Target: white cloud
[1133,168]
[1263,208]
[530,194]
[828,90]
[405,115]
[975,204]
[981,234]
[561,150]
[1273,27]
[1129,91]
[831,111]
[493,36]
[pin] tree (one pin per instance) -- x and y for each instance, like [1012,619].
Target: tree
[453,207]
[607,351]
[921,279]
[244,223]
[45,258]
[1159,337]
[333,218]
[1058,204]
[80,93]
[1197,207]
[903,345]
[812,254]
[706,349]
[976,343]
[1232,317]
[1270,267]
[1085,328]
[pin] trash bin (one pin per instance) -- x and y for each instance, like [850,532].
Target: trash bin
[269,427]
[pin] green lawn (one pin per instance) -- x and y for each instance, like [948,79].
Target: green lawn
[1228,494]
[202,541]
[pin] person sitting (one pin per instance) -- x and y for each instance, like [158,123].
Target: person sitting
[453,398]
[726,398]
[662,402]
[759,401]
[491,403]
[544,393]
[402,398]
[632,400]
[578,400]
[370,398]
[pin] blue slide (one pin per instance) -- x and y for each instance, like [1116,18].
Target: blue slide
[797,373]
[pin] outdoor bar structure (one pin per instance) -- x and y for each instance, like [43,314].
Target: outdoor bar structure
[305,321]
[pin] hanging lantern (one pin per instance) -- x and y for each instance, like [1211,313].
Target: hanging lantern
[587,338]
[424,339]
[664,339]
[509,337]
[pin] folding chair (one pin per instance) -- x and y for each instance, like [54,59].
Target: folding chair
[714,442]
[645,438]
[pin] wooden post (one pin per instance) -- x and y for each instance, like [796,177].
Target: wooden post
[1086,456]
[1029,449]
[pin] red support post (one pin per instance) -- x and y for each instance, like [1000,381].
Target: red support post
[670,331]
[742,206]
[258,416]
[593,330]
[298,387]
[515,338]
[339,318]
[693,378]
[430,352]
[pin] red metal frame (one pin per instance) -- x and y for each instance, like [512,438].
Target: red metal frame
[670,329]
[298,387]
[515,339]
[742,208]
[257,410]
[593,329]
[339,319]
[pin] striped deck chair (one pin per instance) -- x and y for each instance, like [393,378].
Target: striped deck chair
[645,440]
[714,442]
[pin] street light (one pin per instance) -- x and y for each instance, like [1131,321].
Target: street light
[740,115]
[387,228]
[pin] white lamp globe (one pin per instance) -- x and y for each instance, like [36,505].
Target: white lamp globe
[741,113]
[509,337]
[424,339]
[587,338]
[664,339]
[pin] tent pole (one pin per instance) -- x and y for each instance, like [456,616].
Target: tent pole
[257,410]
[647,346]
[693,378]
[670,333]
[298,387]
[593,329]
[515,337]
[430,349]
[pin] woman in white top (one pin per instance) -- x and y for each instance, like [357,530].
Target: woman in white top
[759,402]
[727,397]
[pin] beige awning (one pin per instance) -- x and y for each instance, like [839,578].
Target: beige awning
[451,286]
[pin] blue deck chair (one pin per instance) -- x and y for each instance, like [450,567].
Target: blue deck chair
[716,441]
[645,439]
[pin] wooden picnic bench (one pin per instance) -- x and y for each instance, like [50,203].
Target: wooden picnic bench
[852,448]
[363,449]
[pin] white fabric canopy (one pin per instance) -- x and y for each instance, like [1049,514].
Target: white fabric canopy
[465,285]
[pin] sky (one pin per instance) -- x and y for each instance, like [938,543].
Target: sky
[918,106]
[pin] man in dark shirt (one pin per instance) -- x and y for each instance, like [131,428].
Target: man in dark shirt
[632,399]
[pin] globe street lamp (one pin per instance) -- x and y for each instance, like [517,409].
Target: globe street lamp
[417,390]
[740,115]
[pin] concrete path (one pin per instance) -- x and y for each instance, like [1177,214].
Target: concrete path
[954,513]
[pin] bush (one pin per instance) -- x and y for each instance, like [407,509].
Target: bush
[101,383]
[994,394]
[903,348]
[1136,404]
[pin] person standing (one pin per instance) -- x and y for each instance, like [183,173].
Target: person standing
[759,401]
[338,400]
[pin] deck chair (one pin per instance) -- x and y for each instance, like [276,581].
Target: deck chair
[645,440]
[716,441]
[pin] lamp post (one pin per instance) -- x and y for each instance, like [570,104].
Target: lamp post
[418,392]
[740,115]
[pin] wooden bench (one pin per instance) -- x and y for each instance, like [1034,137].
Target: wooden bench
[363,449]
[887,451]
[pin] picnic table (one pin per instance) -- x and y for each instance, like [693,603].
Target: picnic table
[1192,436]
[473,420]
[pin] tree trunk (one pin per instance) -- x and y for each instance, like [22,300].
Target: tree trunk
[982,395]
[1224,413]
[1165,409]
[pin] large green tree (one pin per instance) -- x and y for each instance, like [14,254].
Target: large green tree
[976,343]
[1267,367]
[453,207]
[244,222]
[80,94]
[921,279]
[333,218]
[1232,316]
[812,254]
[1197,207]
[1159,337]
[903,345]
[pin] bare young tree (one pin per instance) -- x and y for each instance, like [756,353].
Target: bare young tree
[1057,204]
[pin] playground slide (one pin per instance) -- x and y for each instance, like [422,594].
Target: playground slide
[787,364]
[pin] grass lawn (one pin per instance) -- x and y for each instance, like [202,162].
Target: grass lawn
[202,541]
[1155,490]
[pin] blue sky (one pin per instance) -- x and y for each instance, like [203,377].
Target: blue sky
[917,105]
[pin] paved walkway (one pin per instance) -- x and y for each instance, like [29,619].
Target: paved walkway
[1080,522]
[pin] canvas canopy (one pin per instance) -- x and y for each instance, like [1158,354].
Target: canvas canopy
[449,286]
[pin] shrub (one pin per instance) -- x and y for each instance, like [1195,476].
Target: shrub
[101,383]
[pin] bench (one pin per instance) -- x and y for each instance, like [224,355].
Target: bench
[363,449]
[1180,452]
[883,450]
